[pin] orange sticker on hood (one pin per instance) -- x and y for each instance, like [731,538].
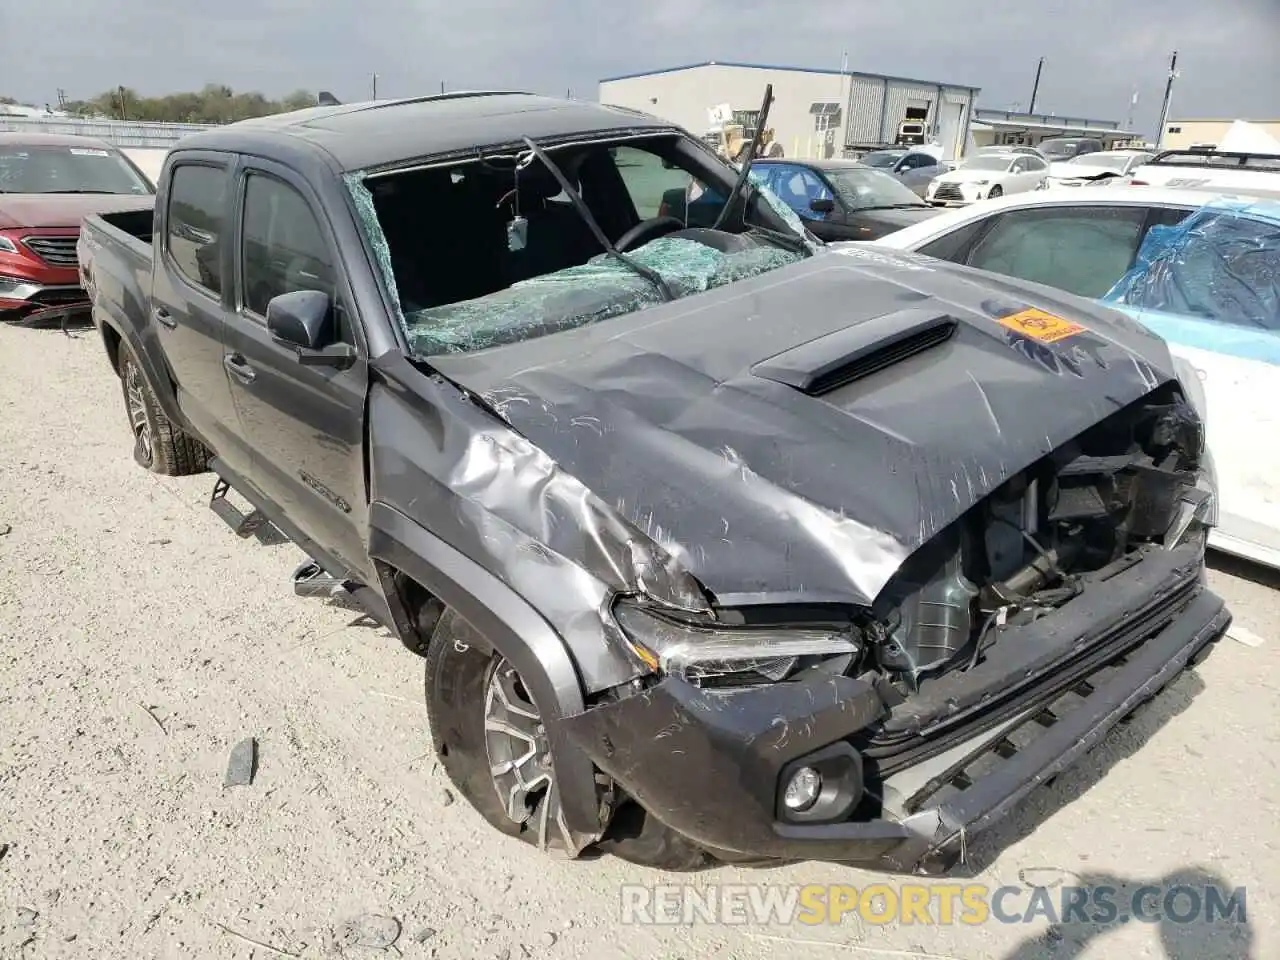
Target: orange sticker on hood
[1045,327]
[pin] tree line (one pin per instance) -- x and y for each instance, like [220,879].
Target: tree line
[216,103]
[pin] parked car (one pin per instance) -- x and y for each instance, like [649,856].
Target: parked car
[1101,168]
[715,540]
[842,199]
[987,176]
[1253,174]
[1056,149]
[1085,243]
[915,168]
[47,186]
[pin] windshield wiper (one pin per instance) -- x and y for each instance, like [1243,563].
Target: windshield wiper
[80,191]
[585,213]
[731,200]
[894,206]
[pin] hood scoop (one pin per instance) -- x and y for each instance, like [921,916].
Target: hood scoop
[840,358]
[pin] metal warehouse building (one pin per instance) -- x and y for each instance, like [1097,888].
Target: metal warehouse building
[816,113]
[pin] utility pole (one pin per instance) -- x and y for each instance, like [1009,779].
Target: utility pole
[123,113]
[442,86]
[1168,95]
[1035,87]
[375,86]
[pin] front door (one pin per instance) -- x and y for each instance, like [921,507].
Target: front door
[305,423]
[191,288]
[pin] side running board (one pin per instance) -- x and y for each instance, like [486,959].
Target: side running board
[253,524]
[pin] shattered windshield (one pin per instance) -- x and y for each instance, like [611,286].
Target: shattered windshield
[493,251]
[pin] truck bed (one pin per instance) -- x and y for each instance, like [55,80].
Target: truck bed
[115,264]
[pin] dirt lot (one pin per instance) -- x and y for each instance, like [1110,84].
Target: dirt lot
[140,641]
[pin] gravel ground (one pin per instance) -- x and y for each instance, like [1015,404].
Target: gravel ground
[140,641]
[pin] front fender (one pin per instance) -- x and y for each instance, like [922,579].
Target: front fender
[516,630]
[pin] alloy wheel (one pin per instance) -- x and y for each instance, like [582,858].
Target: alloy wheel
[137,407]
[519,755]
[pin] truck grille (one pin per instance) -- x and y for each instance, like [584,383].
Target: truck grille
[55,251]
[948,192]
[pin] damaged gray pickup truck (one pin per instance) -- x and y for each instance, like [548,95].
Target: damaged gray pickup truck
[717,542]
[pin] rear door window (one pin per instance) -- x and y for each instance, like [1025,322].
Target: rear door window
[1083,250]
[195,223]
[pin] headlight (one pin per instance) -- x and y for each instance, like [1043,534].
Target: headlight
[980,183]
[746,654]
[7,245]
[1189,378]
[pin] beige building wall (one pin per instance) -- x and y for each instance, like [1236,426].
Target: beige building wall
[684,96]
[1181,134]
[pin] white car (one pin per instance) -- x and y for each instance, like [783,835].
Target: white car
[1083,242]
[1257,174]
[988,175]
[1095,168]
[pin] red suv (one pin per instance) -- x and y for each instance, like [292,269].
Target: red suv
[48,185]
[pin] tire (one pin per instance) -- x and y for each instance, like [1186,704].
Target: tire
[158,444]
[463,679]
[994,192]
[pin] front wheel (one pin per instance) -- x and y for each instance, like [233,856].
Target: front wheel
[491,740]
[994,192]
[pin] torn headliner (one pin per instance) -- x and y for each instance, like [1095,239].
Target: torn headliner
[768,495]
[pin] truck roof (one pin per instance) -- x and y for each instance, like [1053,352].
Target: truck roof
[388,132]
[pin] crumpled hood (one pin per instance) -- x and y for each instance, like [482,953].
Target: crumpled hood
[685,417]
[1078,171]
[64,209]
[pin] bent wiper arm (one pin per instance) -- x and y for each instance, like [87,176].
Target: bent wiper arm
[585,213]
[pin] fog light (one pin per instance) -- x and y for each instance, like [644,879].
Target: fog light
[802,789]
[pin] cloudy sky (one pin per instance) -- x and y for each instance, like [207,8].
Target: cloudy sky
[1098,51]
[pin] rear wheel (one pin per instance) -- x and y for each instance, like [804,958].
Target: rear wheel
[491,740]
[158,444]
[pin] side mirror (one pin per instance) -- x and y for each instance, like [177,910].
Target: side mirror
[822,205]
[304,320]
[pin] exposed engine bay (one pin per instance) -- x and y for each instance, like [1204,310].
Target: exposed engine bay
[1095,505]
[1020,554]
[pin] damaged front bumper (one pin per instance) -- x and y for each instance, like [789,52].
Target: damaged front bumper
[713,765]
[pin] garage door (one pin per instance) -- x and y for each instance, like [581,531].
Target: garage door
[949,129]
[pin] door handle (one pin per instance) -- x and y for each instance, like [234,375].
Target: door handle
[164,317]
[238,367]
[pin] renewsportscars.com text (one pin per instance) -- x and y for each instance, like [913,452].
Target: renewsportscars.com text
[928,904]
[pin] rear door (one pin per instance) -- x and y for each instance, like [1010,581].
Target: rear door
[191,290]
[304,423]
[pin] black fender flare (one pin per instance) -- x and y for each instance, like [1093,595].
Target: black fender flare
[516,630]
[128,336]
